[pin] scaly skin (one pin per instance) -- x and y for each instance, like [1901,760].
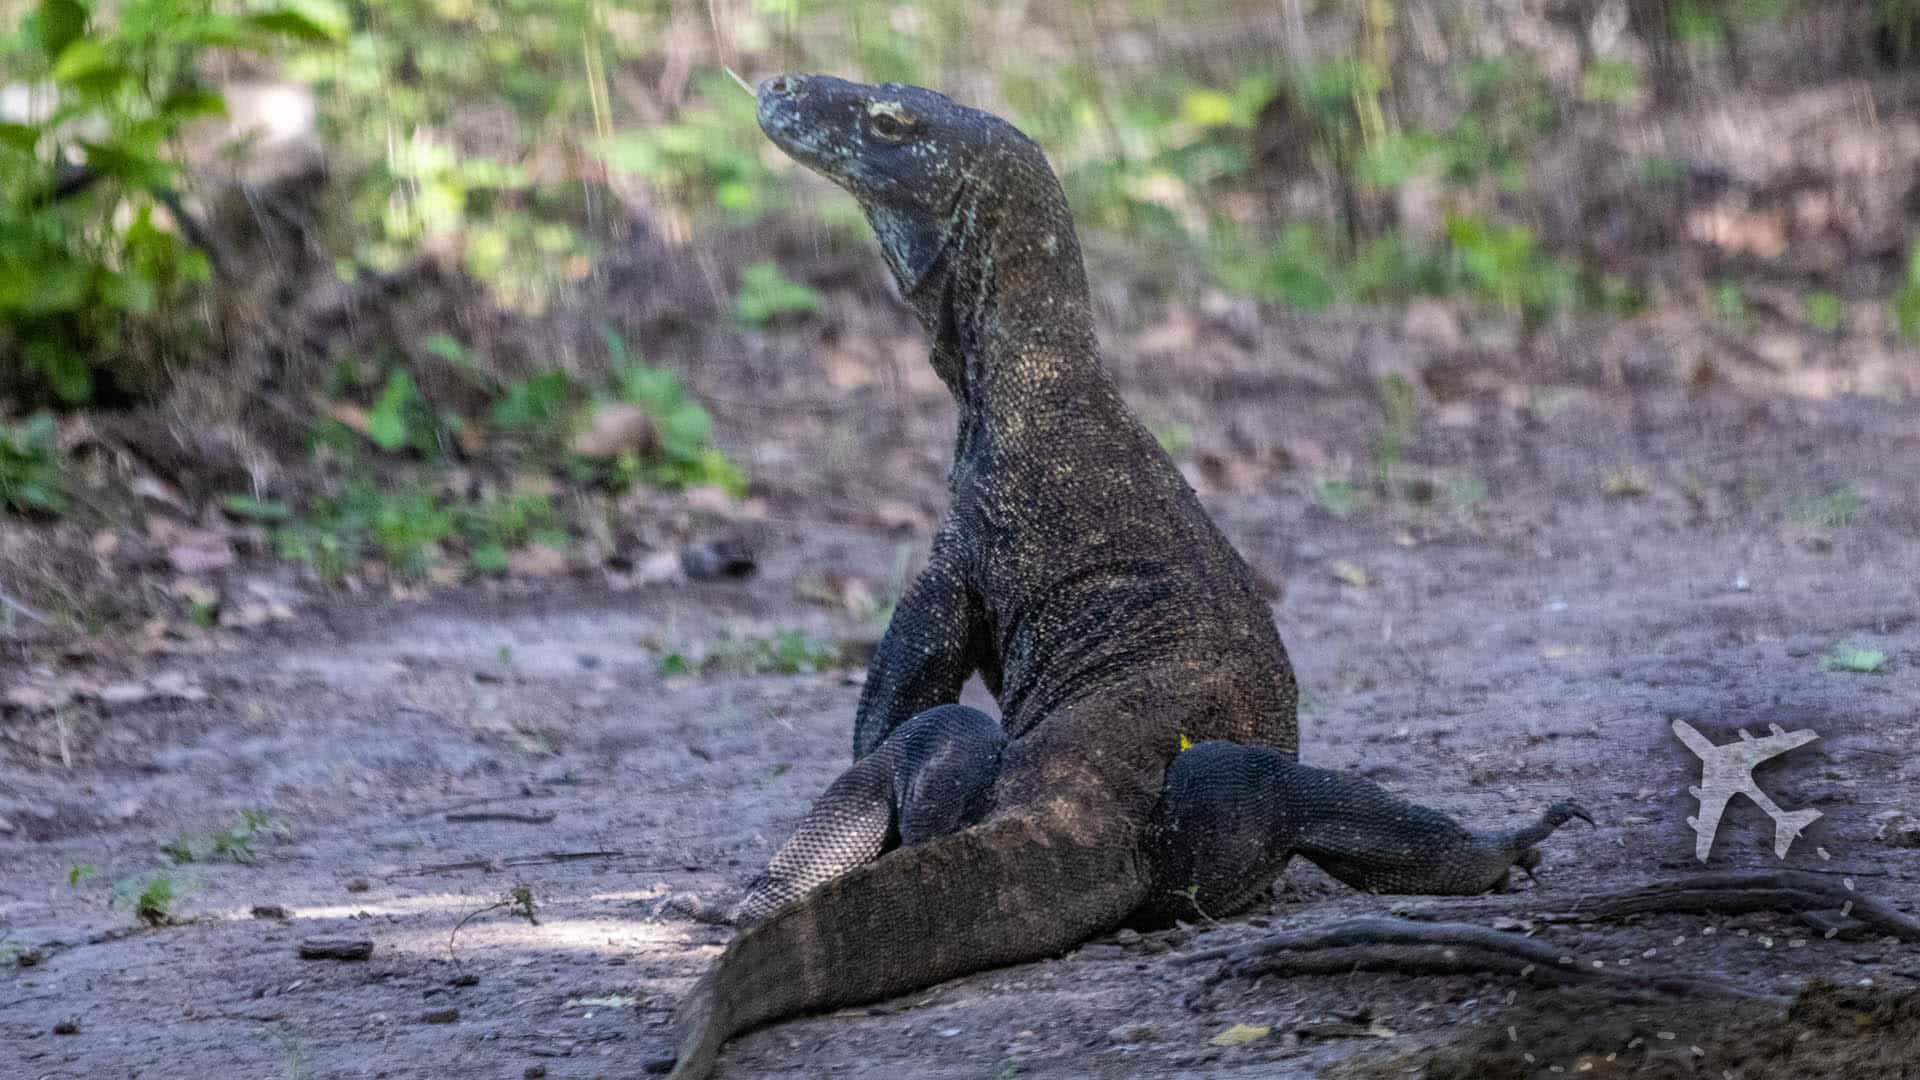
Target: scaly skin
[1078,574]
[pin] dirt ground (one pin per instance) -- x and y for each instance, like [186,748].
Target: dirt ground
[1595,535]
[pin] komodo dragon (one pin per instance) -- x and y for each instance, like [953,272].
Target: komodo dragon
[1077,572]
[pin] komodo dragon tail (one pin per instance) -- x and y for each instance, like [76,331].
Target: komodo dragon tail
[1015,889]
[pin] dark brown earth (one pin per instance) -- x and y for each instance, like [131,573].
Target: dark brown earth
[1593,535]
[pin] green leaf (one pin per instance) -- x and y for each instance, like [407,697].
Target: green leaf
[248,508]
[684,430]
[658,389]
[20,136]
[294,24]
[57,24]
[85,61]
[488,559]
[122,163]
[1854,660]
[448,348]
[387,420]
[192,104]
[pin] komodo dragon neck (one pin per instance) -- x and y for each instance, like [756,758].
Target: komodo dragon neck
[1005,302]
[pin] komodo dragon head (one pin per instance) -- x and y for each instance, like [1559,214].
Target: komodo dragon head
[960,200]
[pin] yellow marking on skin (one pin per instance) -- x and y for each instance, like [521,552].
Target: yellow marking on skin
[890,108]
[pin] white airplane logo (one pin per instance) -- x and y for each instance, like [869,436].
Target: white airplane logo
[1727,771]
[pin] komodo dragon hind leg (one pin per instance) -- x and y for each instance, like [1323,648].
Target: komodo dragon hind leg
[931,777]
[1231,816]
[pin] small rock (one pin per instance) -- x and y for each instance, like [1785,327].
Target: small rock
[67,1027]
[1131,1033]
[727,558]
[440,1016]
[1898,828]
[124,693]
[659,568]
[271,911]
[535,1072]
[700,911]
[537,560]
[1433,322]
[358,884]
[1834,924]
[29,699]
[465,978]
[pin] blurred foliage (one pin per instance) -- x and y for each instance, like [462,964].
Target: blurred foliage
[30,467]
[522,139]
[84,269]
[388,505]
[766,295]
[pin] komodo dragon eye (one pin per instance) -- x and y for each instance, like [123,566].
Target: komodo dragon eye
[890,125]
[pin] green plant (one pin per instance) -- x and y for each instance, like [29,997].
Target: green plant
[1340,498]
[31,467]
[78,873]
[1906,302]
[236,841]
[767,295]
[152,898]
[1854,659]
[1610,81]
[82,259]
[684,456]
[1833,509]
[1729,300]
[1825,312]
[179,849]
[1173,436]
[1504,264]
[1399,424]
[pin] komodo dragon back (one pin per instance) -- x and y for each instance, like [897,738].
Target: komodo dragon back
[1077,573]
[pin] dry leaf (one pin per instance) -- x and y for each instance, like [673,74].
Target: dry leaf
[537,560]
[1348,573]
[1240,1034]
[613,430]
[196,551]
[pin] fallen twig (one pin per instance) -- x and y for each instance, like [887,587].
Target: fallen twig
[336,948]
[537,818]
[23,610]
[494,864]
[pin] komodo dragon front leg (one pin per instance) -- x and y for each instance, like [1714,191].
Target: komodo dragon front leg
[934,642]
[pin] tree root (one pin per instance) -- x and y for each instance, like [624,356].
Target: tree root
[1728,892]
[1454,948]
[1735,891]
[1406,947]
